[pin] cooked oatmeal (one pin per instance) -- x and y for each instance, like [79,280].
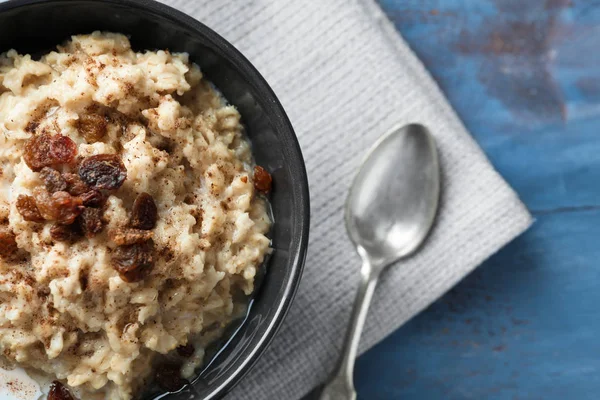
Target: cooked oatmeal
[130,213]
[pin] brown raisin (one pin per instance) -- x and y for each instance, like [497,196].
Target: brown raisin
[186,351]
[168,377]
[60,206]
[133,262]
[44,203]
[28,209]
[262,180]
[8,242]
[46,150]
[75,185]
[69,207]
[92,127]
[144,212]
[126,236]
[32,126]
[53,180]
[90,221]
[103,171]
[65,233]
[59,392]
[43,291]
[93,198]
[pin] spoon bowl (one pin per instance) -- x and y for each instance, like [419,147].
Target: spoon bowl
[393,201]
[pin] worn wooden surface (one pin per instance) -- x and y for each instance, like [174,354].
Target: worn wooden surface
[524,76]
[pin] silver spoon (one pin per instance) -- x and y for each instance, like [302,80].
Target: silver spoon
[389,212]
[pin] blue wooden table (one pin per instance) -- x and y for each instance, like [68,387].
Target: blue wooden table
[524,76]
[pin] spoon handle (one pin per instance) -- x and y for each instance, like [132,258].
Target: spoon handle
[340,385]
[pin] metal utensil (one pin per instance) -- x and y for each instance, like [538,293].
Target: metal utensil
[389,212]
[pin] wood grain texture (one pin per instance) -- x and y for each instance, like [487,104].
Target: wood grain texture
[523,75]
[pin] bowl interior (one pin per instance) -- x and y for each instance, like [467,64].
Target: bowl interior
[37,26]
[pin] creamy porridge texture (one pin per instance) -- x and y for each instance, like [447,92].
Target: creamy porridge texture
[130,214]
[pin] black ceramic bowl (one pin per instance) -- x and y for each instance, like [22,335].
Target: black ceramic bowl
[37,26]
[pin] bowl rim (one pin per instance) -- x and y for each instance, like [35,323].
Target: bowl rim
[282,124]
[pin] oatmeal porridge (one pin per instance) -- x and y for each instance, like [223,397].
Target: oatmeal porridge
[131,214]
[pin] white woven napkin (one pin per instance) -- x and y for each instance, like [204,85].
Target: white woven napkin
[345,77]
